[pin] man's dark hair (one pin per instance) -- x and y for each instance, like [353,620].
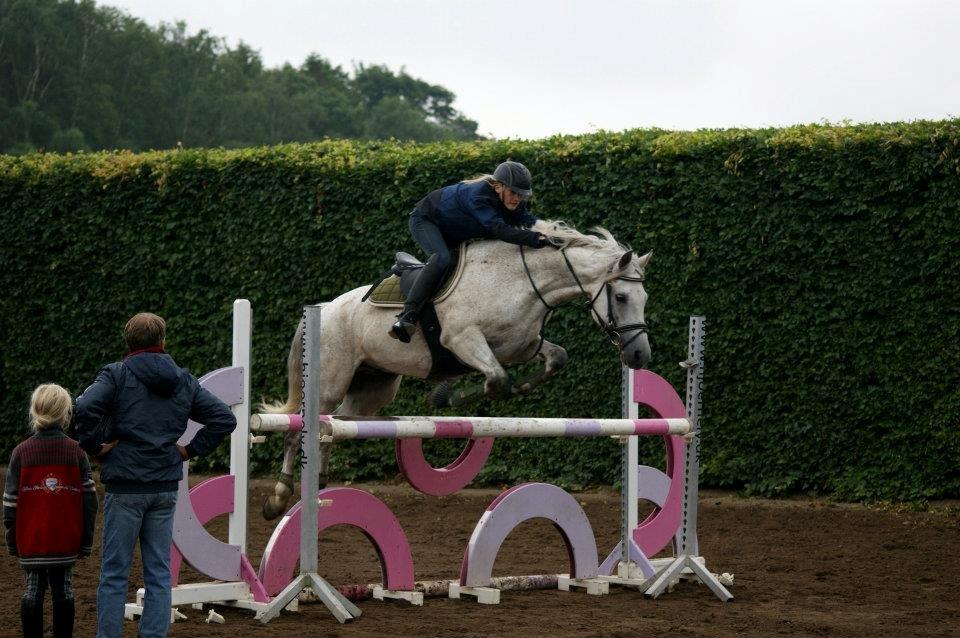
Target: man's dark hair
[144,330]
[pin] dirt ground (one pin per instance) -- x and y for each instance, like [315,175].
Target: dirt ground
[802,568]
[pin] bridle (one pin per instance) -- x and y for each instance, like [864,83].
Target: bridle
[615,332]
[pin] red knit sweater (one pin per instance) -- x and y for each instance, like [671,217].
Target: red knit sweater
[49,501]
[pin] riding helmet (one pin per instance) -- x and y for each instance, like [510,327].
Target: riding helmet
[514,176]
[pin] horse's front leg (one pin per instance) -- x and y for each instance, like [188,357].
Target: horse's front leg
[276,504]
[472,348]
[554,359]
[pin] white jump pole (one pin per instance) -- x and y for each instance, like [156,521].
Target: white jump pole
[240,439]
[497,427]
[458,427]
[342,609]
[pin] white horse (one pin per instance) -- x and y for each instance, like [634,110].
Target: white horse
[492,318]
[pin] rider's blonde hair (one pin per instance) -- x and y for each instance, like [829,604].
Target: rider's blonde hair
[481,178]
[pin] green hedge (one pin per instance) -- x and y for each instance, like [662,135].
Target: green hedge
[823,258]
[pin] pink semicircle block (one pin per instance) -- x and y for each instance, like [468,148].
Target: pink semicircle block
[521,503]
[441,481]
[659,528]
[350,507]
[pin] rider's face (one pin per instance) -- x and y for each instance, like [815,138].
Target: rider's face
[510,199]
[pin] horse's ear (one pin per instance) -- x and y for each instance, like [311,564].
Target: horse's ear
[621,263]
[645,259]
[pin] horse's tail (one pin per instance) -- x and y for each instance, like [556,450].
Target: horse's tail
[294,378]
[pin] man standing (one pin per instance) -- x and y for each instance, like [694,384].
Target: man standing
[146,400]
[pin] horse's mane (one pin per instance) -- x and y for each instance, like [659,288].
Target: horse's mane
[566,236]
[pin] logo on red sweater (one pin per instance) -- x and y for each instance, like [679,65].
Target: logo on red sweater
[52,484]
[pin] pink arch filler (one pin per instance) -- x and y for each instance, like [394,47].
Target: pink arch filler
[441,481]
[521,503]
[658,529]
[350,507]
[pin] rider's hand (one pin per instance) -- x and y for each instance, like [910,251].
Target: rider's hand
[543,241]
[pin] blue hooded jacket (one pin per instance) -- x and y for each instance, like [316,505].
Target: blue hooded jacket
[150,398]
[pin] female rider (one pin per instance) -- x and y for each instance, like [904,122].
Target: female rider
[488,207]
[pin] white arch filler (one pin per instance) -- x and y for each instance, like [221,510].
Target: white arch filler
[516,505]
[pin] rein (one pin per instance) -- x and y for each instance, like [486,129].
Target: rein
[614,331]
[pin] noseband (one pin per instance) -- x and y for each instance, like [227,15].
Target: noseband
[614,331]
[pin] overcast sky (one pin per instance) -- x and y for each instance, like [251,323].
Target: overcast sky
[535,68]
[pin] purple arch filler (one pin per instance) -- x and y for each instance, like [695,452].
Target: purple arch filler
[516,505]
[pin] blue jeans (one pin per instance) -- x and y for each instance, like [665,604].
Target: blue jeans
[127,518]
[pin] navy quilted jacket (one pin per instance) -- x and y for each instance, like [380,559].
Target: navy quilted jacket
[474,211]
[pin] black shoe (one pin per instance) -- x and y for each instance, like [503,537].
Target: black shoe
[63,615]
[404,327]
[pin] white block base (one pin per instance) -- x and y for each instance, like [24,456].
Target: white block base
[412,597]
[484,595]
[594,586]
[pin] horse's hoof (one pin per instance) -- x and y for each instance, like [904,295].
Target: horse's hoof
[271,511]
[440,396]
[503,389]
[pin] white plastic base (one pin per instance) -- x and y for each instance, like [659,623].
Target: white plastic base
[412,597]
[484,595]
[594,586]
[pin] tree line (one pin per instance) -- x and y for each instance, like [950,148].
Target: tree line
[76,76]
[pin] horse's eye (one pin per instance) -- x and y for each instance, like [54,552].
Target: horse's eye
[621,298]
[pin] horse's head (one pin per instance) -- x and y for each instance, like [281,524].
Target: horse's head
[613,282]
[618,307]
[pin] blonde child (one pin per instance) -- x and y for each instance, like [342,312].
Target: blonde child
[49,509]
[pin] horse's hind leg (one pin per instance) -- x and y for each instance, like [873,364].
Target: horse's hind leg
[369,392]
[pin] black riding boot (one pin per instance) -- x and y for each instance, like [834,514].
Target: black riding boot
[31,618]
[423,289]
[63,613]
